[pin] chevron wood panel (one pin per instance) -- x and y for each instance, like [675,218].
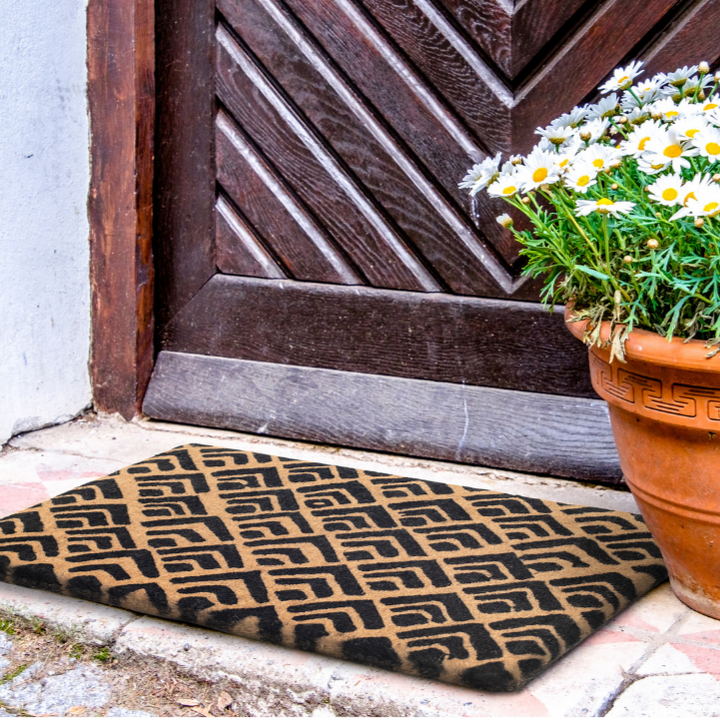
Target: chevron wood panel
[357,118]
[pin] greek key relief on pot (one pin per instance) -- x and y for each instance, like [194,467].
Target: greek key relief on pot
[652,394]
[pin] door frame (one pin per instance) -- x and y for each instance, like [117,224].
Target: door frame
[121,101]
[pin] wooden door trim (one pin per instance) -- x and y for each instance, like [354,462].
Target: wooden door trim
[121,99]
[476,425]
[433,336]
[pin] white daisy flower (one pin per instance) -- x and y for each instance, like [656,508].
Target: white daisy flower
[571,119]
[670,147]
[689,88]
[607,107]
[668,109]
[645,92]
[539,168]
[557,135]
[603,206]
[680,76]
[692,187]
[709,107]
[593,130]
[601,157]
[652,165]
[481,175]
[507,184]
[690,125]
[705,204]
[622,78]
[667,190]
[568,154]
[637,116]
[639,137]
[707,141]
[580,177]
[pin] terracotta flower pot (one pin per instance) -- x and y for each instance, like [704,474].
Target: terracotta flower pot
[665,413]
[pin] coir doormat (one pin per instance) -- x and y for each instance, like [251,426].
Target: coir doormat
[471,587]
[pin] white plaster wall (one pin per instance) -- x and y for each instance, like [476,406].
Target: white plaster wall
[44,176]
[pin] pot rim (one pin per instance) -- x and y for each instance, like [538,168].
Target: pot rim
[647,346]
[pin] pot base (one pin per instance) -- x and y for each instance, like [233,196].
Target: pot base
[696,598]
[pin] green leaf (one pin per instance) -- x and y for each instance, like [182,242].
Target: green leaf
[594,273]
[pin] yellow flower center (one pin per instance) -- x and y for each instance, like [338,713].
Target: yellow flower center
[712,148]
[598,163]
[657,167]
[509,190]
[641,144]
[563,163]
[540,174]
[712,208]
[669,194]
[692,132]
[623,80]
[709,106]
[689,196]
[583,180]
[604,201]
[671,113]
[672,151]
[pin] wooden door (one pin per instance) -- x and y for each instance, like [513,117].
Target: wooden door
[320,275]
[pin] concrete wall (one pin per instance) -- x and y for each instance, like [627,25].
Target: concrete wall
[44,175]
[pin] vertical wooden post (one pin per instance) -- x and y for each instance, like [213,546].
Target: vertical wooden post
[121,96]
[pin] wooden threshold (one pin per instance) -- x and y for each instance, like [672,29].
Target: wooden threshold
[428,336]
[525,431]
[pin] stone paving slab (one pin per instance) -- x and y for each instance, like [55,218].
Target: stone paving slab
[111,439]
[627,668]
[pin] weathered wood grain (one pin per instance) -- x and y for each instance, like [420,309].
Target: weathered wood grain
[316,174]
[595,48]
[567,437]
[434,336]
[121,98]
[289,227]
[691,39]
[437,227]
[184,201]
[239,248]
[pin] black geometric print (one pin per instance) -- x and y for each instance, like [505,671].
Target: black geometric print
[465,586]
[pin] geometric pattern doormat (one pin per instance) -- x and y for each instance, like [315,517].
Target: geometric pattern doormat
[471,587]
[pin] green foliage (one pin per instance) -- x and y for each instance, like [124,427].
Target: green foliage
[604,263]
[77,651]
[11,675]
[7,626]
[103,655]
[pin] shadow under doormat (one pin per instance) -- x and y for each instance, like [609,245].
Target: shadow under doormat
[471,587]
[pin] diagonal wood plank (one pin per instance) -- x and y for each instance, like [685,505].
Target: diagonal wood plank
[239,249]
[290,229]
[378,157]
[321,179]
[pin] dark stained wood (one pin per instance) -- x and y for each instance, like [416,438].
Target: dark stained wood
[489,24]
[184,167]
[121,97]
[435,226]
[239,248]
[598,46]
[511,33]
[291,230]
[693,38]
[315,173]
[534,25]
[410,417]
[436,337]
